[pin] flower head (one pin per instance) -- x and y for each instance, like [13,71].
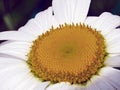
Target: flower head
[62,48]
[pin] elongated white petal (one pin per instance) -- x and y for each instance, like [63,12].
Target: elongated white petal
[7,65]
[13,81]
[6,42]
[42,86]
[42,22]
[16,44]
[114,49]
[113,41]
[14,75]
[11,70]
[112,76]
[92,86]
[16,48]
[16,35]
[25,83]
[46,20]
[113,61]
[91,20]
[5,60]
[28,82]
[68,11]
[15,53]
[113,54]
[14,72]
[64,86]
[27,28]
[112,36]
[100,84]
[107,22]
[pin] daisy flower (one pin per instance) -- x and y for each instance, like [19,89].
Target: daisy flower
[62,49]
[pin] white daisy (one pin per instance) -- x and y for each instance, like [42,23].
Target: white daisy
[62,49]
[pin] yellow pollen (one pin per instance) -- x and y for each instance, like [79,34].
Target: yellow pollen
[69,53]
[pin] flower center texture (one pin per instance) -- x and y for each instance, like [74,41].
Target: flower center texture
[69,53]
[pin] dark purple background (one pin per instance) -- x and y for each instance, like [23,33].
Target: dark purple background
[15,13]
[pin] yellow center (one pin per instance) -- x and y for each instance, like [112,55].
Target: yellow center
[71,53]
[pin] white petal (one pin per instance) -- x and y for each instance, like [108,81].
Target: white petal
[29,82]
[42,86]
[15,48]
[17,78]
[91,20]
[15,73]
[27,28]
[13,80]
[20,55]
[68,11]
[64,86]
[16,35]
[5,60]
[113,61]
[9,75]
[98,83]
[17,53]
[7,65]
[15,44]
[112,76]
[25,83]
[46,20]
[113,54]
[107,22]
[6,42]
[113,41]
[42,22]
[112,36]
[91,85]
[115,49]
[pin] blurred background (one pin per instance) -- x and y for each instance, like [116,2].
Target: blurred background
[15,13]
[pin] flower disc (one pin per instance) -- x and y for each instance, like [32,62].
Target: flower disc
[69,53]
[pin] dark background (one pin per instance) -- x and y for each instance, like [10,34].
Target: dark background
[15,13]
